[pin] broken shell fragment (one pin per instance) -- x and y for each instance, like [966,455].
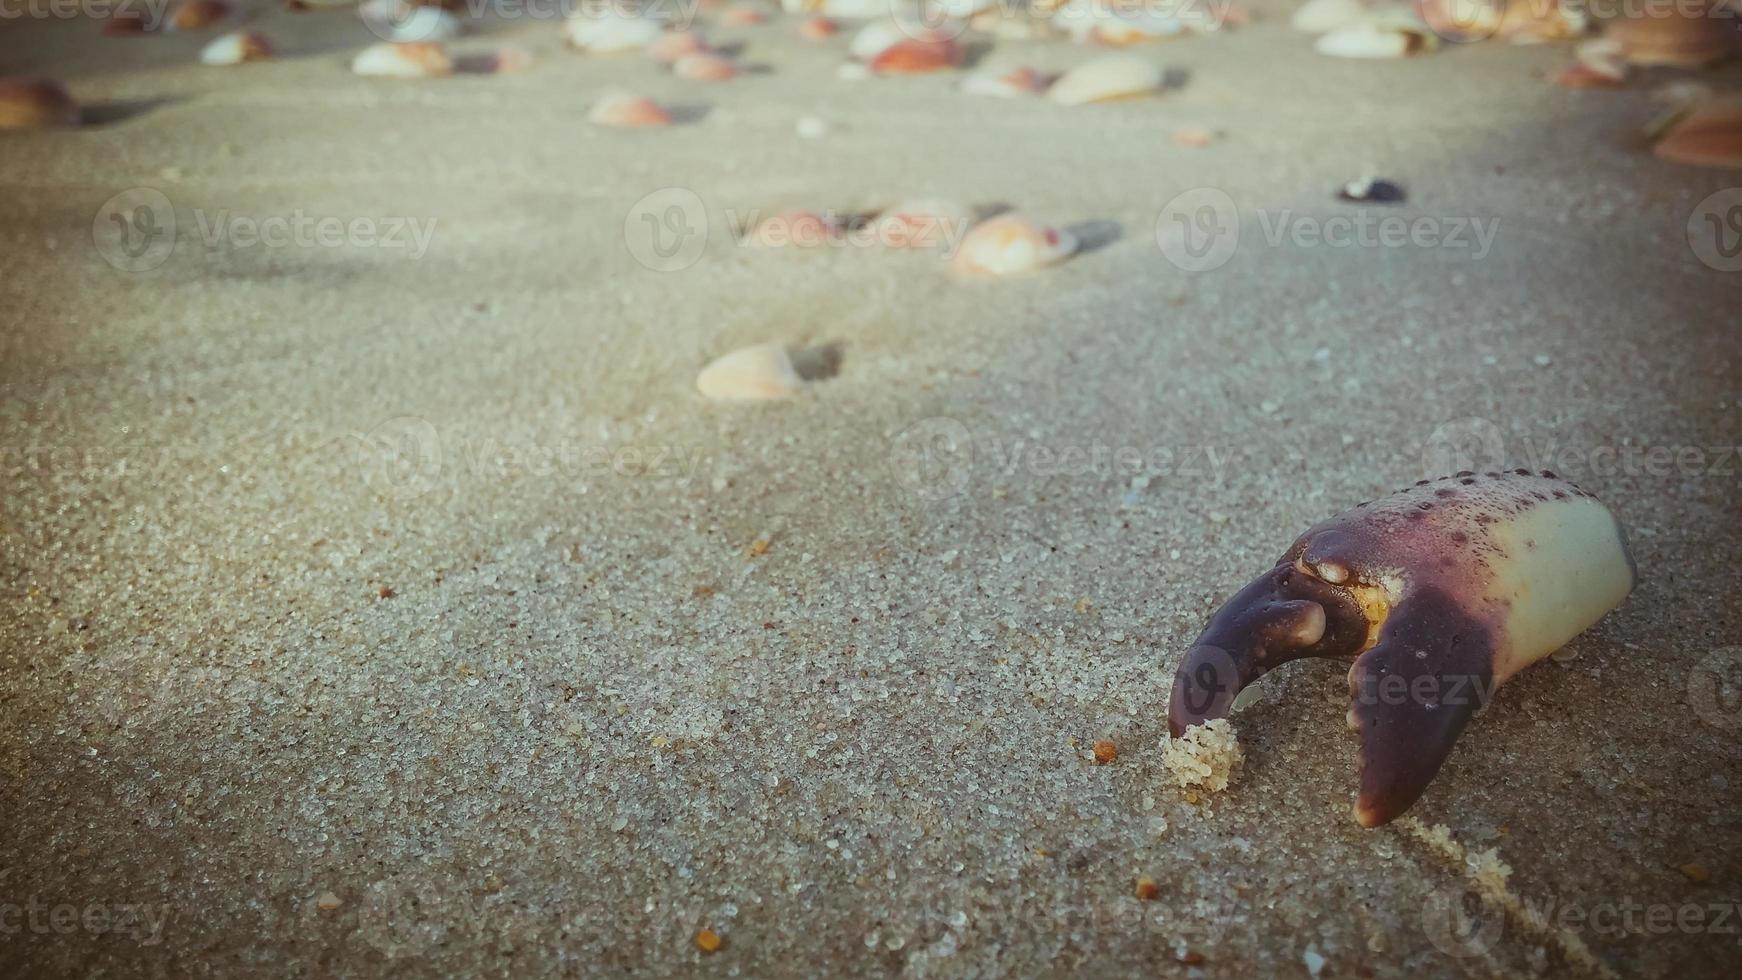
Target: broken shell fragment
[704,67]
[197,15]
[798,229]
[612,34]
[1010,244]
[668,48]
[759,373]
[234,49]
[1011,84]
[1707,135]
[916,57]
[1107,79]
[625,111]
[403,59]
[1440,593]
[1686,38]
[35,103]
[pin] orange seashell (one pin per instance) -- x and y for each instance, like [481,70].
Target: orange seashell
[628,111]
[914,57]
[818,29]
[743,15]
[668,48]
[1011,244]
[1709,135]
[704,67]
[33,103]
[797,229]
[1686,39]
[197,15]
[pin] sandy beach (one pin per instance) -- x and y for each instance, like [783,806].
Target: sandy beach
[388,602]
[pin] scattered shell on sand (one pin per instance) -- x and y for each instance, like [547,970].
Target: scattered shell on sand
[1194,136]
[197,15]
[627,111]
[1596,63]
[1692,40]
[1709,135]
[1388,34]
[1106,79]
[795,229]
[704,67]
[922,224]
[612,34]
[30,103]
[743,15]
[818,29]
[234,49]
[668,48]
[871,39]
[1009,245]
[1319,16]
[1368,189]
[404,59]
[1010,84]
[759,373]
[917,57]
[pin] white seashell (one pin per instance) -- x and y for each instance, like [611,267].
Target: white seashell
[1011,244]
[758,373]
[1104,79]
[233,49]
[426,23]
[874,37]
[611,34]
[1386,34]
[1320,16]
[422,59]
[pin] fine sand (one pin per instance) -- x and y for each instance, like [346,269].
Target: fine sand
[383,609]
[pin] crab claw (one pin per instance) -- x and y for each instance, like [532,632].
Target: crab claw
[1441,593]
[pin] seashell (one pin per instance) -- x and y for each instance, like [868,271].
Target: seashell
[668,48]
[1372,190]
[611,34]
[1390,34]
[921,224]
[743,15]
[1006,85]
[1597,64]
[762,372]
[1708,135]
[126,24]
[1193,136]
[1693,40]
[798,229]
[197,15]
[704,67]
[915,57]
[1123,30]
[818,29]
[1008,245]
[32,103]
[1321,16]
[404,59]
[874,37]
[627,111]
[234,49]
[1106,79]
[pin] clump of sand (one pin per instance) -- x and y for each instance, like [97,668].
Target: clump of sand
[1206,757]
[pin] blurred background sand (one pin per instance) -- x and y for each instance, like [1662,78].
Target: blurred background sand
[371,612]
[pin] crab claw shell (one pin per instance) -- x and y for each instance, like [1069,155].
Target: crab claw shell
[404,59]
[234,49]
[1009,245]
[1708,135]
[1441,592]
[34,103]
[627,111]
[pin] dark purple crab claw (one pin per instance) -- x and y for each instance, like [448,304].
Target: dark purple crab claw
[1439,593]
